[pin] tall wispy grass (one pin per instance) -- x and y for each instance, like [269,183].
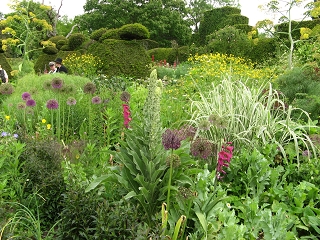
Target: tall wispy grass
[250,117]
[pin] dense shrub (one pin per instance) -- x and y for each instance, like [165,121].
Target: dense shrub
[75,41]
[62,43]
[263,49]
[110,34]
[95,35]
[50,50]
[160,54]
[134,31]
[56,39]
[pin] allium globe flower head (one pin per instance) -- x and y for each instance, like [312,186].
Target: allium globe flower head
[171,139]
[174,159]
[6,89]
[96,100]
[21,105]
[187,132]
[202,147]
[125,97]
[52,104]
[89,88]
[56,83]
[71,101]
[29,111]
[30,103]
[47,85]
[26,96]
[204,124]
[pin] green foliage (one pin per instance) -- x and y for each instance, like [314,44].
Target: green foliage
[57,38]
[120,57]
[75,41]
[148,43]
[50,50]
[214,20]
[301,88]
[229,40]
[160,54]
[110,34]
[133,31]
[95,35]
[263,49]
[5,65]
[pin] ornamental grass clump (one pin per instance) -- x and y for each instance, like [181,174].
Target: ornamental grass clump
[251,117]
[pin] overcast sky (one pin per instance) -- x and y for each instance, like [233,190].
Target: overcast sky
[249,8]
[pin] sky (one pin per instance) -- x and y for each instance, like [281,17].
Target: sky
[249,8]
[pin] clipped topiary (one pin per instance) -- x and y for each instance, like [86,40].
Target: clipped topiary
[75,41]
[96,35]
[56,39]
[61,43]
[50,50]
[134,31]
[110,34]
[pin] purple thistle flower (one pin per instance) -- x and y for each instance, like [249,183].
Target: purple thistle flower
[56,83]
[21,105]
[25,96]
[30,103]
[96,100]
[71,101]
[171,139]
[202,147]
[52,104]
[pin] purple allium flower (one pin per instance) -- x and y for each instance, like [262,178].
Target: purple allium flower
[71,101]
[171,139]
[96,100]
[187,132]
[30,103]
[52,104]
[202,147]
[15,135]
[21,105]
[4,134]
[25,96]
[125,97]
[56,83]
[89,88]
[6,88]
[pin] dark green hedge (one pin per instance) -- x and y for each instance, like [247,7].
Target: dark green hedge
[121,57]
[134,31]
[5,65]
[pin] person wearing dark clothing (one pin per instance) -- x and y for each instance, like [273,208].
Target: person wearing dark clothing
[60,67]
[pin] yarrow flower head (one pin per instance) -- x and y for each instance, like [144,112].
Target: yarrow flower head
[202,147]
[30,103]
[56,83]
[96,100]
[52,104]
[125,97]
[224,158]
[89,88]
[71,101]
[26,96]
[171,139]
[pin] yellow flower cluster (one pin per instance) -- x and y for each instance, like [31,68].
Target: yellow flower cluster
[83,65]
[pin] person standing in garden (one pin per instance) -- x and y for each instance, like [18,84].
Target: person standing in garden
[53,68]
[60,67]
[3,75]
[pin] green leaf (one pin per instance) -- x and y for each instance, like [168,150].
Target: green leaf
[130,195]
[96,182]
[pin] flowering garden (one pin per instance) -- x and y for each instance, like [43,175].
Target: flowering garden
[208,149]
